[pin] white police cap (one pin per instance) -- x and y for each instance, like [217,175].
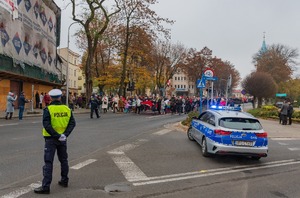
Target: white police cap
[55,93]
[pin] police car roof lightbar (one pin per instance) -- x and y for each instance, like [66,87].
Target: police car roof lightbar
[215,107]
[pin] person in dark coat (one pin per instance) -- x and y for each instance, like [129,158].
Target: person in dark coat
[284,112]
[290,113]
[22,101]
[37,100]
[94,106]
[64,98]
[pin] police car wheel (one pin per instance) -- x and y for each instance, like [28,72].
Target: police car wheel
[189,134]
[204,148]
[255,158]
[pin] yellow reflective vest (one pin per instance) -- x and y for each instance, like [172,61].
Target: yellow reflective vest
[60,116]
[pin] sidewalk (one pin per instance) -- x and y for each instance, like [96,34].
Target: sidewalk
[38,113]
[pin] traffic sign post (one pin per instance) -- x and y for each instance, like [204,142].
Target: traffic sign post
[201,83]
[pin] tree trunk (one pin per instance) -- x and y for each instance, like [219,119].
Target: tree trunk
[259,102]
[253,102]
[88,75]
[124,62]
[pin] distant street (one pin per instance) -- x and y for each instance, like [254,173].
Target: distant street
[128,155]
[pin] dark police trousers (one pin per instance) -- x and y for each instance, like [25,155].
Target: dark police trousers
[51,145]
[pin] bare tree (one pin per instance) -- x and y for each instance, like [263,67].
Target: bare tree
[94,18]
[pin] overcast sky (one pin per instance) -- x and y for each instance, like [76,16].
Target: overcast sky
[232,29]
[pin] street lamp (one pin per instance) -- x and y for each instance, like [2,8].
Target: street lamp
[67,72]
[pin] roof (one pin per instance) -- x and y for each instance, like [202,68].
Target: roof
[230,113]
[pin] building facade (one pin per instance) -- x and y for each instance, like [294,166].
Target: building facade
[76,78]
[30,34]
[181,85]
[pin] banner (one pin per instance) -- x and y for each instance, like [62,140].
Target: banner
[30,38]
[7,5]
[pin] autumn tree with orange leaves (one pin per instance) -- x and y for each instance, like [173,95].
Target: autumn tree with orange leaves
[136,15]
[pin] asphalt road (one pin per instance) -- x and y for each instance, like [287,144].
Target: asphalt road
[128,155]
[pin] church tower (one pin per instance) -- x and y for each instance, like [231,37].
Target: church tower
[263,48]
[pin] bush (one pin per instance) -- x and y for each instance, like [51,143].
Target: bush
[264,112]
[271,112]
[189,118]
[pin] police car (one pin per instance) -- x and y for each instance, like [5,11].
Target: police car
[228,131]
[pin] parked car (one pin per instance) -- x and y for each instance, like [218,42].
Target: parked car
[223,131]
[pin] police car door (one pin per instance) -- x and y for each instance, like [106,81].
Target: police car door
[202,126]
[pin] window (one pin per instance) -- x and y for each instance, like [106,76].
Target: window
[203,117]
[75,72]
[181,78]
[184,86]
[208,118]
[240,123]
[184,78]
[175,78]
[74,83]
[175,86]
[181,86]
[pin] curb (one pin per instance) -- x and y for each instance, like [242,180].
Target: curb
[38,114]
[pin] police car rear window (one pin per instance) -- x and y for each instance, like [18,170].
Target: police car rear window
[240,123]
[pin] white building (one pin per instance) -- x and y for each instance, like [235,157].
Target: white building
[181,84]
[75,73]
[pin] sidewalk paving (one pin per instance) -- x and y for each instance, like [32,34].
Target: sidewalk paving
[38,113]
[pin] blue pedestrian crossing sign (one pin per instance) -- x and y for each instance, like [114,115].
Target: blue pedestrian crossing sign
[201,83]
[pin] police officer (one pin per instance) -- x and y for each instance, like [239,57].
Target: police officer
[58,123]
[94,102]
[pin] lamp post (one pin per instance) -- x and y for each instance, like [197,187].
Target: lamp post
[67,72]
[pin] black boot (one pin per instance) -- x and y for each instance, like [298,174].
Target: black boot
[10,115]
[63,184]
[41,190]
[6,116]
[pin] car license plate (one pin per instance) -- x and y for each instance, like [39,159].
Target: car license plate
[243,143]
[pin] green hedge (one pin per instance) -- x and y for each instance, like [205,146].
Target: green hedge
[264,112]
[271,112]
[188,120]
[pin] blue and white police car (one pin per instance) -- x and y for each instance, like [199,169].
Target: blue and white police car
[228,131]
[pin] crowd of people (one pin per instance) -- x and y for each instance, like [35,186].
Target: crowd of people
[116,103]
[157,104]
[136,104]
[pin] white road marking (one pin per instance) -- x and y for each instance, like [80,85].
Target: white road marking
[83,164]
[294,149]
[217,170]
[162,132]
[128,168]
[285,138]
[13,124]
[207,173]
[22,191]
[283,144]
[156,116]
[130,171]
[127,147]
